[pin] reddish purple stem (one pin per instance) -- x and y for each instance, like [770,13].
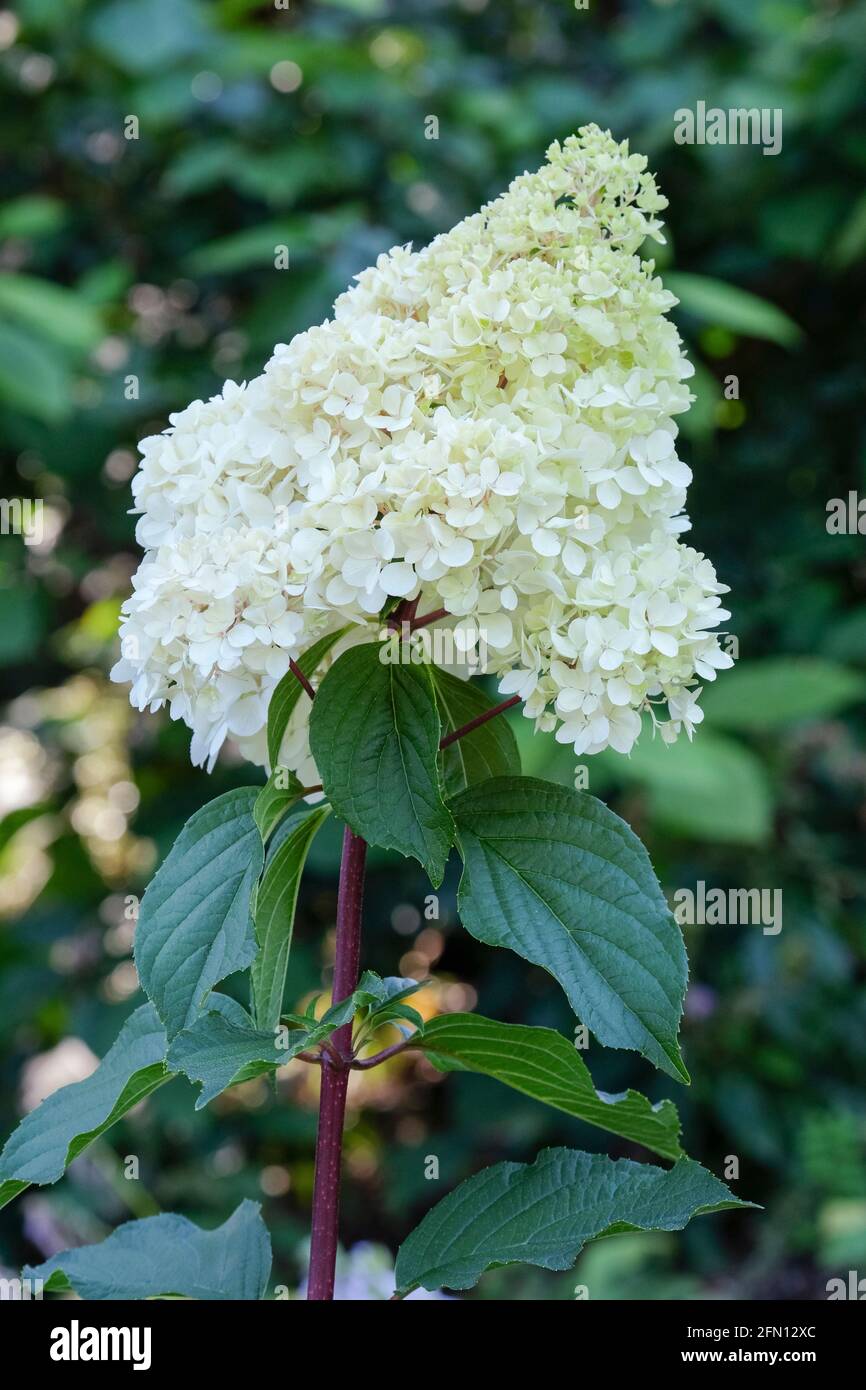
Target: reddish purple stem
[477,722]
[299,675]
[364,1064]
[335,1078]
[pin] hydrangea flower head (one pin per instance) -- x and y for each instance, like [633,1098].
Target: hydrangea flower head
[486,425]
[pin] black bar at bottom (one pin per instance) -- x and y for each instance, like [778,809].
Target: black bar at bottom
[69,1336]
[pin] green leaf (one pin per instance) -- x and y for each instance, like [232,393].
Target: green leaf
[333,1017]
[219,1052]
[374,733]
[557,877]
[223,1048]
[769,694]
[55,312]
[275,911]
[148,41]
[58,1130]
[195,926]
[489,751]
[33,215]
[168,1256]
[849,244]
[276,797]
[375,993]
[34,377]
[397,1014]
[544,1213]
[289,691]
[543,1064]
[713,789]
[312,233]
[381,1001]
[727,306]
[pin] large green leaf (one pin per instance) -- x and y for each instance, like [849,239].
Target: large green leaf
[289,691]
[275,904]
[556,876]
[167,1256]
[544,1213]
[716,302]
[374,733]
[489,751]
[309,234]
[34,375]
[195,926]
[543,1064]
[56,1132]
[769,694]
[714,789]
[53,311]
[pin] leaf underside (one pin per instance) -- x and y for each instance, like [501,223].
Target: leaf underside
[165,1256]
[58,1130]
[218,1052]
[223,1048]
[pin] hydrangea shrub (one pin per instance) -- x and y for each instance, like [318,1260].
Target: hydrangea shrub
[480,445]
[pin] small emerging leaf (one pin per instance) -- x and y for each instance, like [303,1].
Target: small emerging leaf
[376,993]
[382,1001]
[397,1013]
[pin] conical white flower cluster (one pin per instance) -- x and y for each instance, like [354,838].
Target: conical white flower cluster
[487,423]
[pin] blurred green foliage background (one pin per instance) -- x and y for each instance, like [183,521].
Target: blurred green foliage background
[138,273]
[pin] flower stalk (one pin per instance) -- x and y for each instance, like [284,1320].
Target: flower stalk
[335,1075]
